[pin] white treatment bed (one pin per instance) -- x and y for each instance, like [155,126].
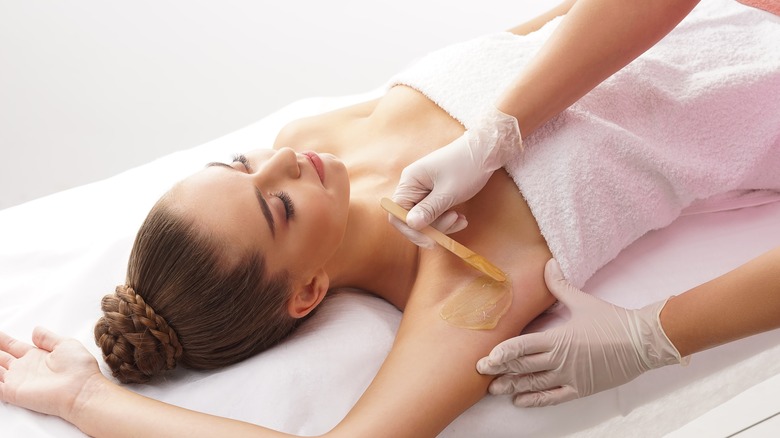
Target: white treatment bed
[60,254]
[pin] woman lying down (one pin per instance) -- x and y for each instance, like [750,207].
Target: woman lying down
[233,258]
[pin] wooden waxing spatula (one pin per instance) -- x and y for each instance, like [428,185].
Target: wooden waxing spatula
[473,259]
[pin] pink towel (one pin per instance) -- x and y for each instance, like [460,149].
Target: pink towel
[695,116]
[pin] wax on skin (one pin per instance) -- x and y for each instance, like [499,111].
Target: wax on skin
[479,305]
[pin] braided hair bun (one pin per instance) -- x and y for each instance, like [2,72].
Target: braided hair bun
[136,342]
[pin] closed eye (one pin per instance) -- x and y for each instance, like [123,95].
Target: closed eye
[289,207]
[241,158]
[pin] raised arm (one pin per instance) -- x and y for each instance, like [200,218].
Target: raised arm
[429,377]
[58,376]
[429,356]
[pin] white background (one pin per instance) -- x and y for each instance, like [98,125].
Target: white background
[89,88]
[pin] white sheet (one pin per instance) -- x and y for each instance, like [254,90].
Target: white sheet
[59,255]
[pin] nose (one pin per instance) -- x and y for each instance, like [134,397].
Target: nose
[282,164]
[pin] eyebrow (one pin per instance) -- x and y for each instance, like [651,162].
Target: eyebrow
[269,217]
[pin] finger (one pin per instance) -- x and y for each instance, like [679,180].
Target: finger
[420,216]
[532,363]
[46,339]
[5,360]
[445,220]
[13,346]
[553,275]
[414,236]
[410,189]
[428,209]
[533,382]
[559,287]
[498,361]
[545,398]
[403,201]
[450,222]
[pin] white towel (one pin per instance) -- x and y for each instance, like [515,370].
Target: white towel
[695,116]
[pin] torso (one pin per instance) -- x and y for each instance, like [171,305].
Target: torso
[377,139]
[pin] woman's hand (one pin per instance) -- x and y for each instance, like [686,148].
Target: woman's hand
[48,379]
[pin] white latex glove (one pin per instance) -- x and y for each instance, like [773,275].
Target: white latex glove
[602,346]
[453,174]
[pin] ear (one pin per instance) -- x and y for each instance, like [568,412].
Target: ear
[306,297]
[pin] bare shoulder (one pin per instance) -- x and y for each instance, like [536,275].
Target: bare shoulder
[536,23]
[315,129]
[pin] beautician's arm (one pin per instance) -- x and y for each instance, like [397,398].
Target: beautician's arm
[582,356]
[741,303]
[595,39]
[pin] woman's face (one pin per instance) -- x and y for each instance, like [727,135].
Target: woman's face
[292,206]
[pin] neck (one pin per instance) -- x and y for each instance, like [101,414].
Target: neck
[374,256]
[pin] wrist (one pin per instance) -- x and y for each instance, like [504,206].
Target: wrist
[502,132]
[655,347]
[509,130]
[94,391]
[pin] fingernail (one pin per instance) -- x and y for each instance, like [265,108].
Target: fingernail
[412,219]
[483,366]
[521,402]
[557,268]
[497,388]
[417,219]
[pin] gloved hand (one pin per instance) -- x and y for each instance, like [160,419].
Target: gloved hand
[453,174]
[602,346]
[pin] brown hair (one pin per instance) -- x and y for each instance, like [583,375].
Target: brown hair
[183,303]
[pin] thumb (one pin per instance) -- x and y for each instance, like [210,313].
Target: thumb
[561,289]
[45,339]
[414,236]
[450,222]
[428,210]
[413,186]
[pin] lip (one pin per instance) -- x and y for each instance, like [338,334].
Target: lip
[316,162]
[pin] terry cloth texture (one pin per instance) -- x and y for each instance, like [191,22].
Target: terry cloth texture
[697,115]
